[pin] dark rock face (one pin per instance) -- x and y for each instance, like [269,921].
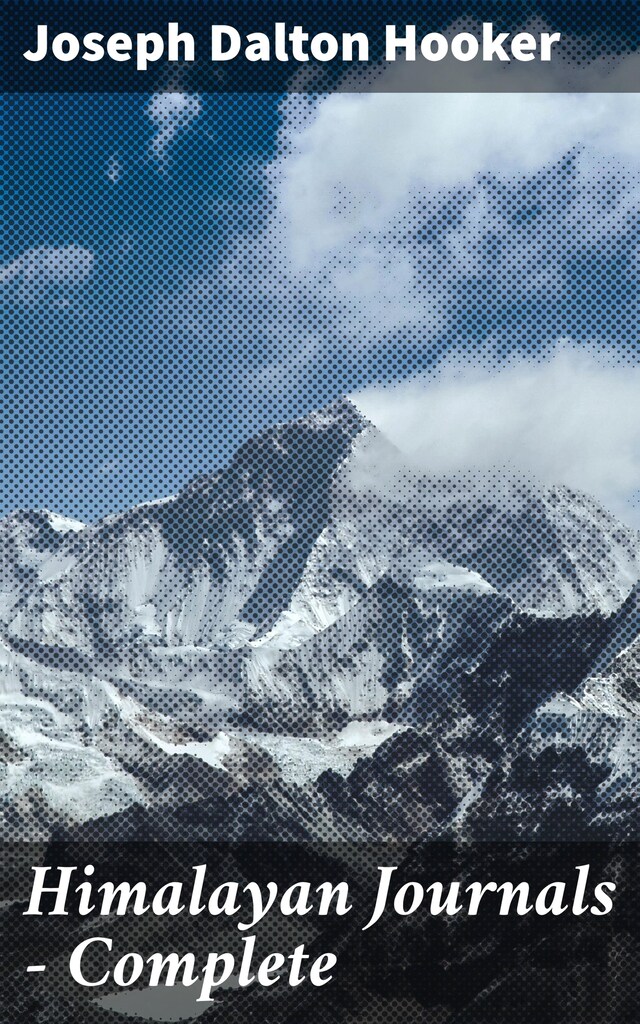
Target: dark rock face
[316,641]
[318,646]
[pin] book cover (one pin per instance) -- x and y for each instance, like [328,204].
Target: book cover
[319,548]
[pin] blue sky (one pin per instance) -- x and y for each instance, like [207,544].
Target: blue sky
[104,405]
[176,272]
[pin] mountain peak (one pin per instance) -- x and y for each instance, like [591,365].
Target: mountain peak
[340,412]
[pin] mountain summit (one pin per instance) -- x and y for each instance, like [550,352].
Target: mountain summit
[313,608]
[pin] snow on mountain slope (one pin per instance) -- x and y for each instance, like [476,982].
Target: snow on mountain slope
[228,549]
[399,636]
[35,546]
[288,537]
[552,550]
[312,585]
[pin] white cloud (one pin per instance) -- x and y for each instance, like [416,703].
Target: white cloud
[32,274]
[399,220]
[572,418]
[357,178]
[355,161]
[171,112]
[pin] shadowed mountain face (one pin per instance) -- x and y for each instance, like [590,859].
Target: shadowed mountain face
[319,640]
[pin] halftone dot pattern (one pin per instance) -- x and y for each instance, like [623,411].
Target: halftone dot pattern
[424,964]
[231,609]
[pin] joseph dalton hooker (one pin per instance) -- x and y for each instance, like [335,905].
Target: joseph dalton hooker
[284,44]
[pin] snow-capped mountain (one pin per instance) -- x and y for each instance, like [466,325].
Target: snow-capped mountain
[311,620]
